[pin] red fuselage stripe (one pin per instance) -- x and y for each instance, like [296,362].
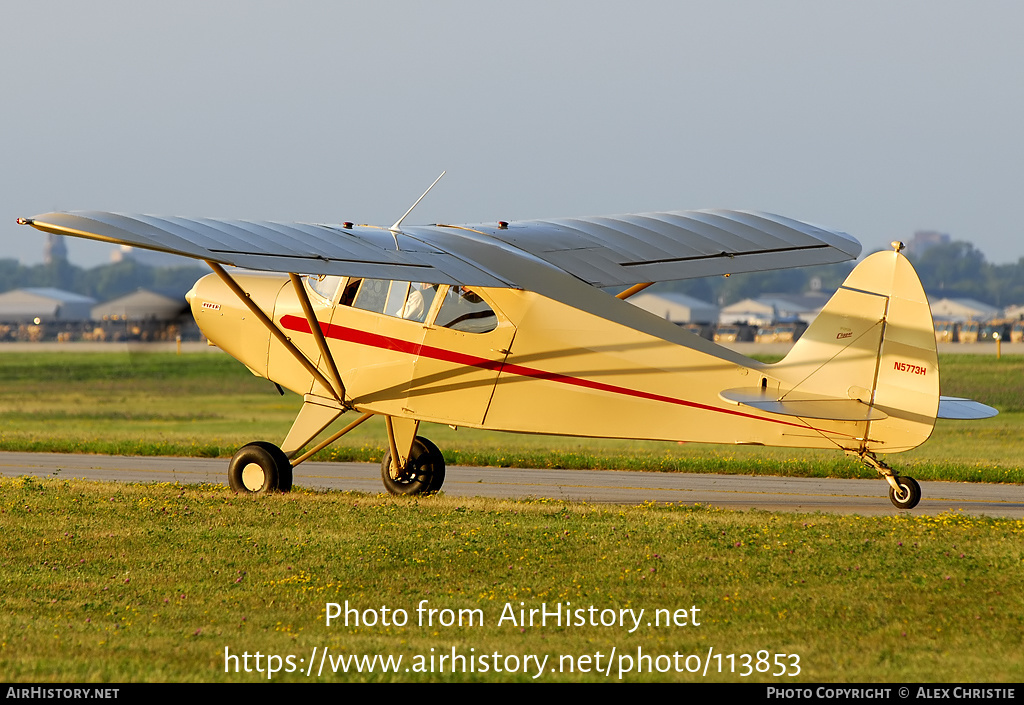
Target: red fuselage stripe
[375,340]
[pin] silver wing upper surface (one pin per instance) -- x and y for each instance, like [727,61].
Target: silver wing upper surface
[601,251]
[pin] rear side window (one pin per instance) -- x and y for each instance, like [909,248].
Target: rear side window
[465,311]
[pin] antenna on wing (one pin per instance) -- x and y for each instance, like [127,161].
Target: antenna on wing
[396,228]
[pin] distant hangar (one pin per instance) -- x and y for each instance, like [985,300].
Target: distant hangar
[46,313]
[140,305]
[44,305]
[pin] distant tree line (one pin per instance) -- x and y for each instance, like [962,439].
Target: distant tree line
[954,270]
[958,270]
[102,283]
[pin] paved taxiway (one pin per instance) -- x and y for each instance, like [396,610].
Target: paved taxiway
[869,497]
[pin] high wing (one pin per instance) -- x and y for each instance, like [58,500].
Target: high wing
[601,251]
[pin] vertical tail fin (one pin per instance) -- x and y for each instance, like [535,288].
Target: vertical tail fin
[874,341]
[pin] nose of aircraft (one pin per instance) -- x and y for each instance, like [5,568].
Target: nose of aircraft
[228,323]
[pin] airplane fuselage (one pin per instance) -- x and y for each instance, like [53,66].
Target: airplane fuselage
[540,366]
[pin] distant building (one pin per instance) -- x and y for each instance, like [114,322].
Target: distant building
[140,305]
[774,308]
[923,240]
[756,312]
[45,304]
[962,310]
[675,307]
[56,250]
[150,258]
[1014,312]
[144,316]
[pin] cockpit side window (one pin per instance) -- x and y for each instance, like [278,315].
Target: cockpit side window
[372,296]
[417,305]
[409,300]
[349,295]
[396,298]
[399,299]
[465,311]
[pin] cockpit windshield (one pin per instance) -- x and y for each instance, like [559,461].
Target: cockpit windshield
[324,285]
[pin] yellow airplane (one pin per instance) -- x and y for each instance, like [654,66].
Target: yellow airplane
[506,326]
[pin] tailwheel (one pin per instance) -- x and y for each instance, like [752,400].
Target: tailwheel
[422,474]
[908,495]
[259,468]
[904,492]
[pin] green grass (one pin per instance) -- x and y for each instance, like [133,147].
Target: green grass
[124,582]
[209,405]
[996,382]
[145,404]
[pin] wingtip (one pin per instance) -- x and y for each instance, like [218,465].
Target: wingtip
[24,221]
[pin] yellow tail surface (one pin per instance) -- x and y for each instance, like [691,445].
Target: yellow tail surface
[874,342]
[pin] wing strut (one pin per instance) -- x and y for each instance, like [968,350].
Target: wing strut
[635,289]
[318,335]
[275,331]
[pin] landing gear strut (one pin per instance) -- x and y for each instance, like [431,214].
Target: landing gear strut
[904,492]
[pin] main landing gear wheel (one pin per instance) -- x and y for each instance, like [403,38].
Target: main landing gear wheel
[259,468]
[909,494]
[423,474]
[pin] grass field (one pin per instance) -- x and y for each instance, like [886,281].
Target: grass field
[119,582]
[105,582]
[209,405]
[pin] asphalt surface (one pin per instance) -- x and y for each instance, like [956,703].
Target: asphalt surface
[741,492]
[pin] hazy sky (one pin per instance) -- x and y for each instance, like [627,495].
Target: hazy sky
[876,118]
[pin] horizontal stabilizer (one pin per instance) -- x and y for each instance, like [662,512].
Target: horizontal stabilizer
[958,408]
[808,406]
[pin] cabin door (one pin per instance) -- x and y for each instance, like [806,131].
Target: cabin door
[464,348]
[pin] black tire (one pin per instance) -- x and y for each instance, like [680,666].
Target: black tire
[437,458]
[259,468]
[911,493]
[423,474]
